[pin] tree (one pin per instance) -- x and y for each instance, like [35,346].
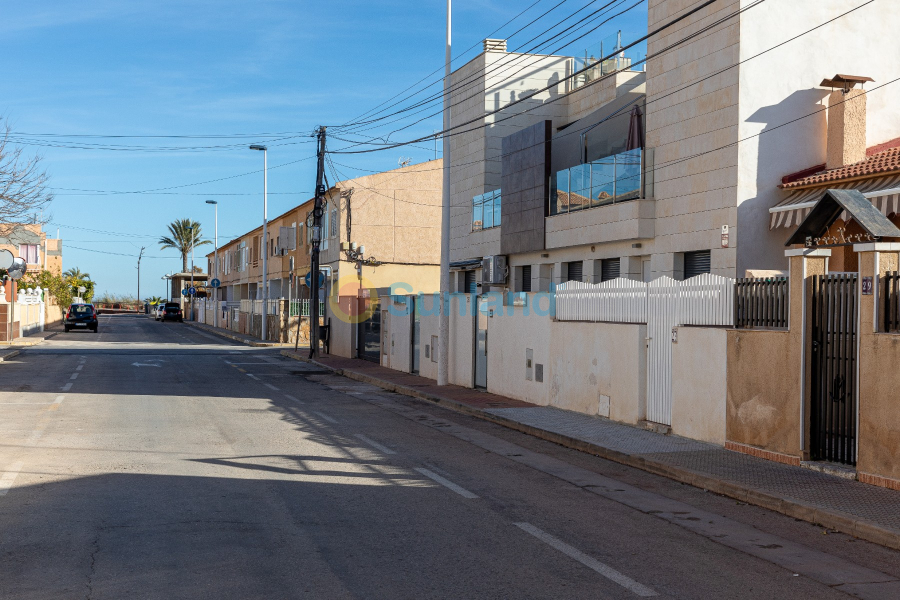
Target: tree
[75,273]
[184,235]
[23,184]
[154,300]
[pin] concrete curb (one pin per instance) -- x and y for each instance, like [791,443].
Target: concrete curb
[816,515]
[7,355]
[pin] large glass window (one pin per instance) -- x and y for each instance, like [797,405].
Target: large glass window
[486,211]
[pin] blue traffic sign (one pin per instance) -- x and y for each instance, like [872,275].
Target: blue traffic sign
[192,291]
[308,279]
[184,292]
[215,283]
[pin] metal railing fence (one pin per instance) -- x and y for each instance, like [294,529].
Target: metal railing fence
[761,303]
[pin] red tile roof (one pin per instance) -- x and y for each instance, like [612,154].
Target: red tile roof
[878,163]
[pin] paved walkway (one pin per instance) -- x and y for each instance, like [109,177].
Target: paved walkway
[862,510]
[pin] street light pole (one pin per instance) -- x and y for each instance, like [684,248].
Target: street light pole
[265,273]
[191,233]
[444,337]
[139,275]
[216,289]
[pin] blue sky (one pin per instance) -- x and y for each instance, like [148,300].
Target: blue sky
[215,68]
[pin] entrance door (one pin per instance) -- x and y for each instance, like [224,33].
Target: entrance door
[481,342]
[416,334]
[369,338]
[833,376]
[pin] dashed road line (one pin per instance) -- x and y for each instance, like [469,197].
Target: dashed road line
[291,398]
[446,483]
[374,444]
[67,387]
[591,563]
[59,399]
[252,376]
[271,387]
[326,417]
[7,479]
[79,367]
[74,376]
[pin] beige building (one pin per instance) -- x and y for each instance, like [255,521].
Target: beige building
[30,242]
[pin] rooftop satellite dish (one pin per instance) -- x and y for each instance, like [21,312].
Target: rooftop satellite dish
[6,259]
[17,269]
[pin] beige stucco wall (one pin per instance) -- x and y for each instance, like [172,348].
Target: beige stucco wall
[763,392]
[512,330]
[595,364]
[699,383]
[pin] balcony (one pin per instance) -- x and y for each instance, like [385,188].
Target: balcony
[486,211]
[618,178]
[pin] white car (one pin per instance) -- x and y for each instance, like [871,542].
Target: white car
[158,310]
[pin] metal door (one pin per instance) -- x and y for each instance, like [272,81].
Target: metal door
[833,377]
[416,336]
[481,342]
[369,338]
[662,317]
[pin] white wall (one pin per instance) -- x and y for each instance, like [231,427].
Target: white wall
[783,85]
[511,331]
[399,330]
[699,383]
[343,334]
[599,369]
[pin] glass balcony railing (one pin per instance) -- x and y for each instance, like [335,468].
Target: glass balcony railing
[618,178]
[486,211]
[607,56]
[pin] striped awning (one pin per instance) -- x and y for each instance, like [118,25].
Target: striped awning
[883,192]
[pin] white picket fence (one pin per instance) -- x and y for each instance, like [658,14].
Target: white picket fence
[662,304]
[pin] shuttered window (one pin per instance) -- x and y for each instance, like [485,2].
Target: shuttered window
[526,278]
[576,271]
[470,287]
[609,269]
[696,263]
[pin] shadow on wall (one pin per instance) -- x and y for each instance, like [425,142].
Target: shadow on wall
[793,147]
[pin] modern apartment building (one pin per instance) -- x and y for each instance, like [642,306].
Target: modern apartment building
[669,171]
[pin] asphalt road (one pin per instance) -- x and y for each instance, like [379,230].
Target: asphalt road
[152,460]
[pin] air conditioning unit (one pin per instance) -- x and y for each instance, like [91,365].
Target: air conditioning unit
[494,270]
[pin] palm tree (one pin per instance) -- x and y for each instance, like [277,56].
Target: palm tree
[154,300]
[184,235]
[75,273]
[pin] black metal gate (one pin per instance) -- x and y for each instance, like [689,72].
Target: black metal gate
[833,389]
[369,337]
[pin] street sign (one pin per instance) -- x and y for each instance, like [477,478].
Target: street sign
[192,291]
[215,283]
[6,259]
[308,279]
[184,292]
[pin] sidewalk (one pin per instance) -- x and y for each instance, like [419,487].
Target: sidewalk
[864,511]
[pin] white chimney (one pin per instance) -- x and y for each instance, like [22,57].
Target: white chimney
[846,121]
[494,45]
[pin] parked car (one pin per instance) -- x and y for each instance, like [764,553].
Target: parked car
[81,316]
[158,310]
[171,312]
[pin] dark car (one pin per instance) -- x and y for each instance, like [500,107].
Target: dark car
[171,312]
[81,316]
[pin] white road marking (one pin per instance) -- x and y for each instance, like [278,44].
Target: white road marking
[79,367]
[59,399]
[253,376]
[74,376]
[67,387]
[272,387]
[7,479]
[446,483]
[289,397]
[138,364]
[374,444]
[591,563]
[326,417]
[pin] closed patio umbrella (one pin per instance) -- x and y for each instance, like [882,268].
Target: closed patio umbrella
[635,129]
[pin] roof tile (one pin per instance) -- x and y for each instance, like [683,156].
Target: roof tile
[887,161]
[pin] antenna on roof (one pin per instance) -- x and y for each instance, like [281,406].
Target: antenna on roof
[404,162]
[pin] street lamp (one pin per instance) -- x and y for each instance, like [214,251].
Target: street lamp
[265,272]
[216,289]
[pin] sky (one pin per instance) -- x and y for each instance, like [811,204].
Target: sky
[245,72]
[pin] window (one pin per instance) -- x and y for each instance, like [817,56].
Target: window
[600,182]
[470,287]
[486,211]
[575,271]
[609,268]
[334,222]
[29,252]
[526,278]
[696,263]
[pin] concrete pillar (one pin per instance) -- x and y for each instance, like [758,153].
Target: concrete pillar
[877,408]
[669,264]
[804,264]
[630,267]
[541,277]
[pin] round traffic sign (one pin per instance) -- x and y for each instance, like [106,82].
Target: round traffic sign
[184,292]
[192,291]
[308,279]
[215,283]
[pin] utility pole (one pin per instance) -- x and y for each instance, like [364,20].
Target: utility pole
[139,273]
[318,211]
[444,337]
